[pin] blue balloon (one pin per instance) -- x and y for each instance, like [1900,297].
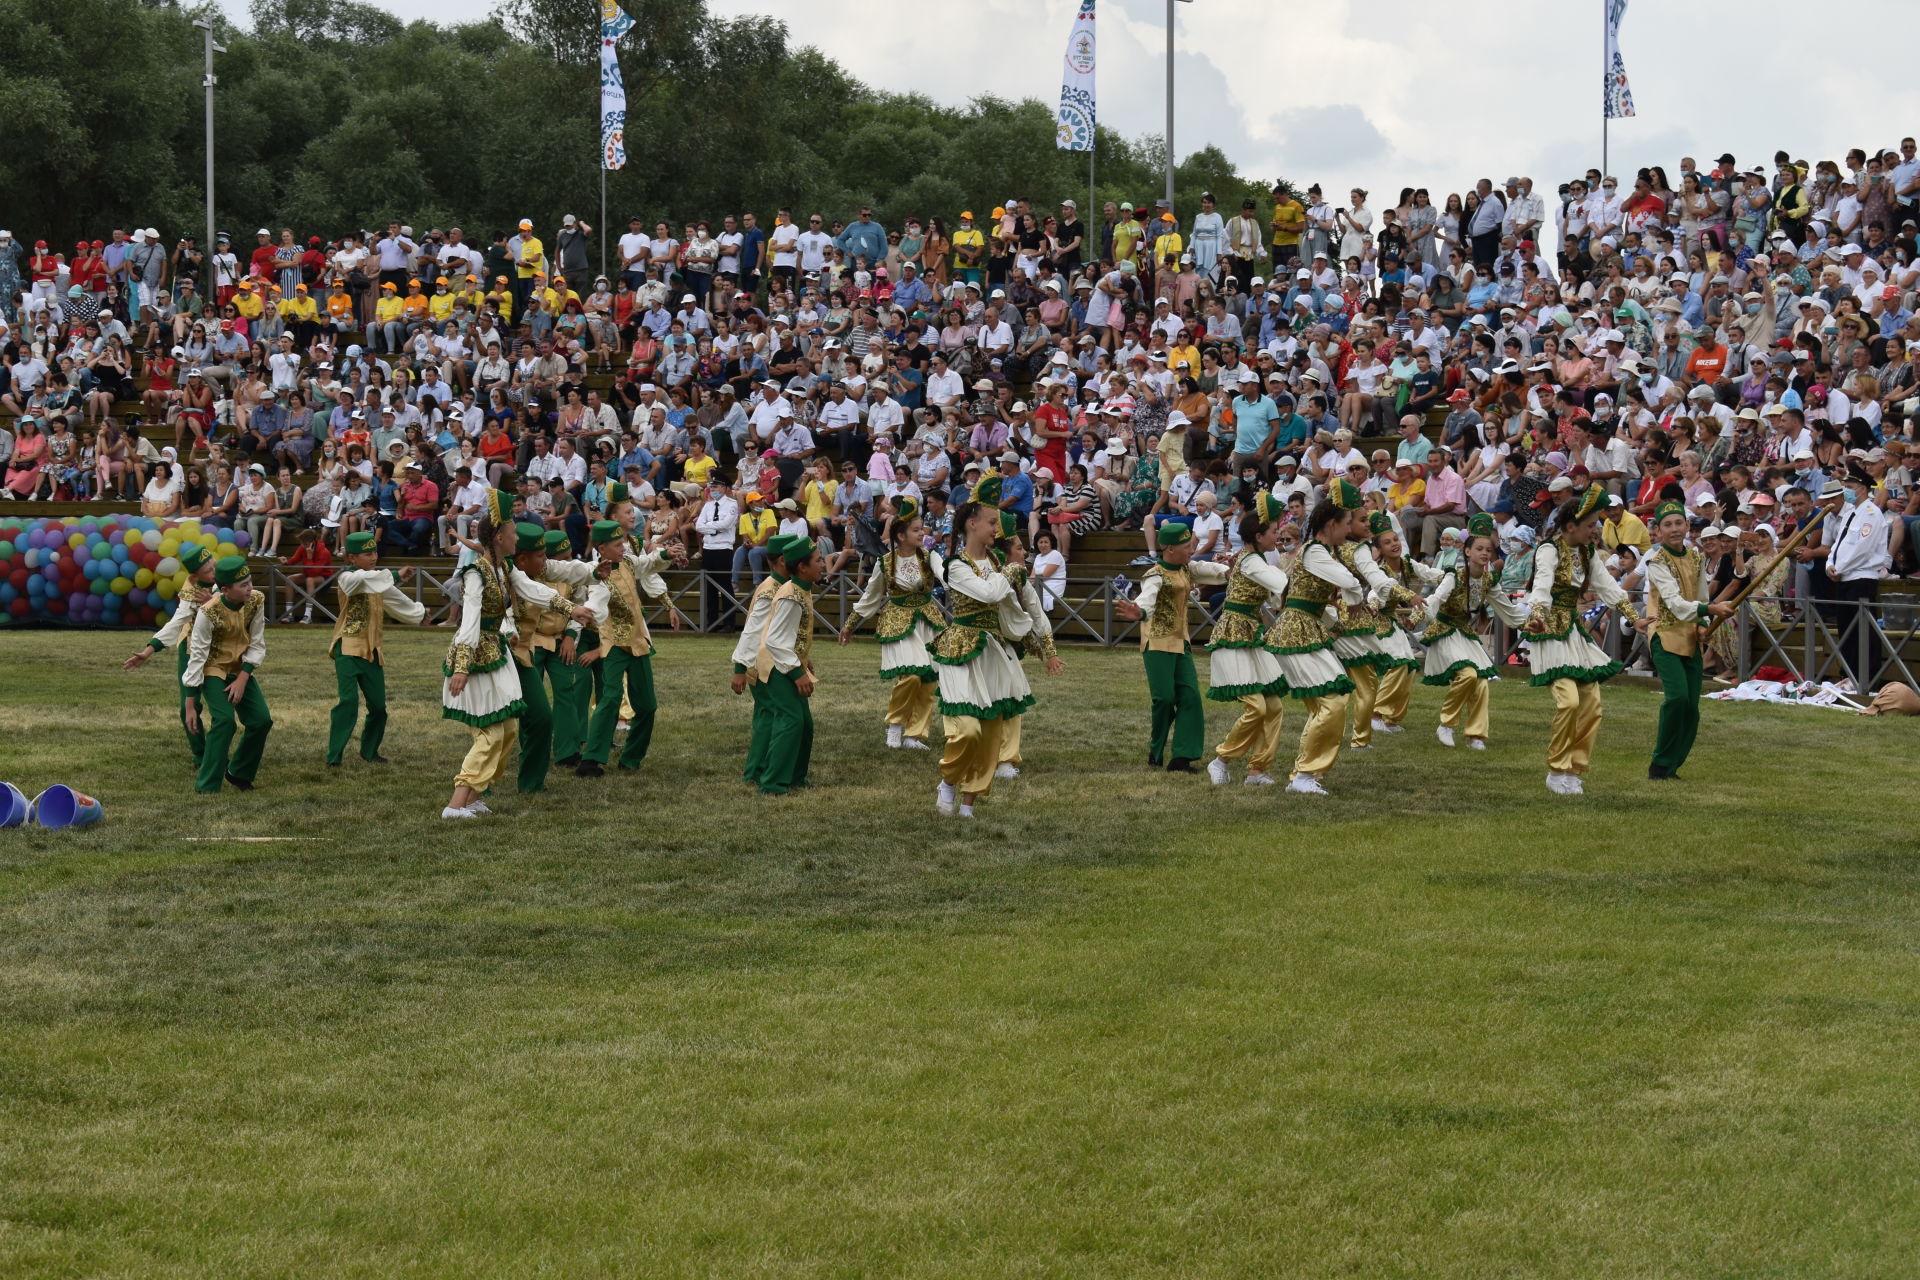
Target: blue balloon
[120,555]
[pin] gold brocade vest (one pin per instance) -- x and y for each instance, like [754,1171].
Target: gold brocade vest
[1675,622]
[1360,619]
[232,631]
[1565,595]
[1166,629]
[1302,626]
[489,653]
[541,626]
[906,605]
[193,595]
[1455,613]
[973,620]
[1238,626]
[791,589]
[625,627]
[359,626]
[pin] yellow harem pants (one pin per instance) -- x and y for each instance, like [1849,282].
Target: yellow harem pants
[973,749]
[1396,694]
[1320,742]
[1256,734]
[1366,692]
[1576,723]
[1465,706]
[910,705]
[487,758]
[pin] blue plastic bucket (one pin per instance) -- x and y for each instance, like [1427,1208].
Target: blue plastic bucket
[61,806]
[13,805]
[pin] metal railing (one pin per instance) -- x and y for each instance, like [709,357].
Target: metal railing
[1868,642]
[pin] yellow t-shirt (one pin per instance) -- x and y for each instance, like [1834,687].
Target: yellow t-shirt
[757,526]
[1187,357]
[298,308]
[1126,239]
[533,258]
[1629,531]
[1402,494]
[248,304]
[1288,213]
[387,309]
[441,305]
[1167,248]
[698,469]
[970,237]
[819,495]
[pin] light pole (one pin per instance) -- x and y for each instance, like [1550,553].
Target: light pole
[1170,102]
[208,81]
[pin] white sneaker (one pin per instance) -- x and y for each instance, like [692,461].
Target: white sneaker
[479,806]
[1445,734]
[623,726]
[1217,772]
[1477,744]
[451,812]
[1558,783]
[914,744]
[1307,785]
[966,811]
[893,736]
[1359,746]
[1259,780]
[1006,771]
[943,799]
[1381,726]
[306,615]
[1575,787]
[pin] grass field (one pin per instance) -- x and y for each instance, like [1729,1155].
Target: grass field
[1440,1024]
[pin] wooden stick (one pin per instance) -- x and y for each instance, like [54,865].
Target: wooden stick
[1753,583]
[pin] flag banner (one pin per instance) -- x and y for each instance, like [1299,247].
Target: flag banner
[614,23]
[1619,98]
[1076,115]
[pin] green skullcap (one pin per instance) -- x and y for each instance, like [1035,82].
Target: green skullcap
[528,537]
[1266,507]
[798,548]
[230,570]
[358,543]
[557,540]
[1174,535]
[605,531]
[194,556]
[1666,509]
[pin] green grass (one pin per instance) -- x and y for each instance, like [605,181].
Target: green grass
[1438,1024]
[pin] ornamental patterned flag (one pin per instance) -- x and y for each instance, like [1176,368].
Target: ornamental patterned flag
[614,23]
[1619,98]
[1076,115]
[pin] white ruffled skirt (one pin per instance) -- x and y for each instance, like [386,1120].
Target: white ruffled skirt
[989,686]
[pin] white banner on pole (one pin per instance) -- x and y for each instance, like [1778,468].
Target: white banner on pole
[614,23]
[1076,114]
[1619,98]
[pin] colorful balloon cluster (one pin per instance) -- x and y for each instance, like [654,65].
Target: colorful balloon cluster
[102,571]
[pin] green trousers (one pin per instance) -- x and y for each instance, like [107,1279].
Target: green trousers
[587,683]
[757,739]
[1175,690]
[623,671]
[536,726]
[352,678]
[196,742]
[789,736]
[569,725]
[250,719]
[1679,705]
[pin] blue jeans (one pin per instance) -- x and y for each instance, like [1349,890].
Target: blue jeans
[754,559]
[412,536]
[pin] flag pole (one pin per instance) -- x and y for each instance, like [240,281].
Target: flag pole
[603,215]
[1606,70]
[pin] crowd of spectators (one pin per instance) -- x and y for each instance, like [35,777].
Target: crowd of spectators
[1744,338]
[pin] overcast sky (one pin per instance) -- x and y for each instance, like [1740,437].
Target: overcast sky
[1394,93]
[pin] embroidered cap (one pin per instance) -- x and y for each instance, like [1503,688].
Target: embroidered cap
[359,543]
[529,537]
[1480,525]
[1174,535]
[605,531]
[230,570]
[195,556]
[1344,495]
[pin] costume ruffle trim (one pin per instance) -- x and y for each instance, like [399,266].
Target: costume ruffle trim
[512,711]
[926,674]
[1446,677]
[1004,709]
[1235,692]
[1380,662]
[1584,675]
[1339,684]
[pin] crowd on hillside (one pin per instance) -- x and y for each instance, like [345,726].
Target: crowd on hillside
[1745,338]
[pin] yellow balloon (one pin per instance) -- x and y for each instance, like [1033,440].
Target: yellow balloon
[143,578]
[166,588]
[169,548]
[77,540]
[188,528]
[120,586]
[226,549]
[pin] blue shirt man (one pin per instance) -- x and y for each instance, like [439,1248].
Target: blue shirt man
[1016,487]
[912,292]
[1254,417]
[863,238]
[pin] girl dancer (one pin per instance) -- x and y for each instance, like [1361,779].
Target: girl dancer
[1400,659]
[1302,640]
[900,590]
[1564,656]
[1456,660]
[1240,669]
[482,689]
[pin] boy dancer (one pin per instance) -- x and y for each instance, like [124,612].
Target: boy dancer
[368,597]
[746,654]
[228,642]
[1166,646]
[785,667]
[1678,609]
[546,623]
[626,647]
